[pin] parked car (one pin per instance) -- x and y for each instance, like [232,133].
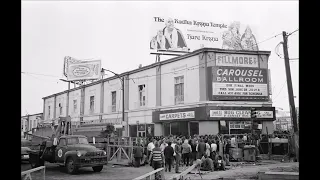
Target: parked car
[25,147]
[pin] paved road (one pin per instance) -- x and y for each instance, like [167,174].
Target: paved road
[109,172]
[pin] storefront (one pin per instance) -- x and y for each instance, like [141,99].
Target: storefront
[214,119]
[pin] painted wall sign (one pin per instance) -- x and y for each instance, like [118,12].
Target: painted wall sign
[178,115]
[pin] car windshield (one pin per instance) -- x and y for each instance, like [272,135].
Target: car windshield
[77,140]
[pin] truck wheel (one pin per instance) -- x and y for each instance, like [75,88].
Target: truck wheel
[97,168]
[71,168]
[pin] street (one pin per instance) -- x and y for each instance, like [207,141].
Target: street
[236,171]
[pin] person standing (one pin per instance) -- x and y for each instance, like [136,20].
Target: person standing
[138,154]
[186,150]
[150,147]
[157,157]
[201,149]
[193,150]
[178,150]
[213,150]
[227,151]
[168,154]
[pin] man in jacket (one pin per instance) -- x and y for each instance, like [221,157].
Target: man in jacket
[168,154]
[178,151]
[201,149]
[138,154]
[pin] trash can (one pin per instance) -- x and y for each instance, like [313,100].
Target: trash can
[249,153]
[236,154]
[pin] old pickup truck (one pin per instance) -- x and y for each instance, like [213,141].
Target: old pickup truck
[70,151]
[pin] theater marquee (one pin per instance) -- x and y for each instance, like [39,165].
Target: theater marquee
[239,77]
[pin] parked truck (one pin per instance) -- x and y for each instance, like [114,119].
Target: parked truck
[67,150]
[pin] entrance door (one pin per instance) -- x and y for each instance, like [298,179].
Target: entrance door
[194,128]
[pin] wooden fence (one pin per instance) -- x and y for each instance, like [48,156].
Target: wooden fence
[26,175]
[119,149]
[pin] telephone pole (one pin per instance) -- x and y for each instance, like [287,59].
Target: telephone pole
[289,82]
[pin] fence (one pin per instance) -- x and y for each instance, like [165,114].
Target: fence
[26,175]
[182,175]
[157,174]
[119,149]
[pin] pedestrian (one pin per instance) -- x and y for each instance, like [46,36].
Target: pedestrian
[201,149]
[227,151]
[138,154]
[150,147]
[163,144]
[213,148]
[186,150]
[178,150]
[207,148]
[194,150]
[168,154]
[157,157]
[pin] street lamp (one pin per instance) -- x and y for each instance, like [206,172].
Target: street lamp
[122,85]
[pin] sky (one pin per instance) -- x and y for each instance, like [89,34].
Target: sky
[117,32]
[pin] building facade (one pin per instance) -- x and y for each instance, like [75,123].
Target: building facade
[29,122]
[208,91]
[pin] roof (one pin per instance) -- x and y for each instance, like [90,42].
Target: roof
[196,52]
[71,136]
[32,115]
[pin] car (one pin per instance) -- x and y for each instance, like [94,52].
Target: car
[25,147]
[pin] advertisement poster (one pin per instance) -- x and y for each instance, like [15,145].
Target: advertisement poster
[239,83]
[83,70]
[187,35]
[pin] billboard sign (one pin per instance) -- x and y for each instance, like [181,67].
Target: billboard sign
[83,70]
[239,83]
[174,34]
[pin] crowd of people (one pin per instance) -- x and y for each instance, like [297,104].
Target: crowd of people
[182,151]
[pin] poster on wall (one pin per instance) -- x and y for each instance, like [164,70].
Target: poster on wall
[150,130]
[187,35]
[239,83]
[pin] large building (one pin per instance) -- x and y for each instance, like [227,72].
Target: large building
[207,91]
[29,122]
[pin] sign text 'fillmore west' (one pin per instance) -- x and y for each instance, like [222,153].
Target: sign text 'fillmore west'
[178,115]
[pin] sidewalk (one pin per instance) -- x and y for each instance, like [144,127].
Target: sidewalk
[248,171]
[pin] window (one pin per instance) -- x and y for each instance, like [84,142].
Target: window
[74,105]
[62,142]
[48,112]
[91,104]
[179,90]
[113,102]
[60,109]
[142,95]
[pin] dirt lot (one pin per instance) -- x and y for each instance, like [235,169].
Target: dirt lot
[236,171]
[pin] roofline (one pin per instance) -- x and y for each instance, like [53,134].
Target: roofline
[193,53]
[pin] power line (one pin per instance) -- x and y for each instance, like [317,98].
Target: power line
[279,91]
[293,32]
[40,74]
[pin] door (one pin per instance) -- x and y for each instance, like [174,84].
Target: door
[194,128]
[61,150]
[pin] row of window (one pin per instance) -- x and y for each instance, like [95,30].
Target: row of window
[178,97]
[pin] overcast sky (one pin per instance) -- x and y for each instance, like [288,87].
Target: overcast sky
[118,34]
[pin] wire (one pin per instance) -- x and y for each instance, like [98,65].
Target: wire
[293,32]
[40,74]
[279,91]
[294,59]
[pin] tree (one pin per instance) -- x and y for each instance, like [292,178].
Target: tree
[109,131]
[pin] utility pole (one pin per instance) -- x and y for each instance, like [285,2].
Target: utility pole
[289,82]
